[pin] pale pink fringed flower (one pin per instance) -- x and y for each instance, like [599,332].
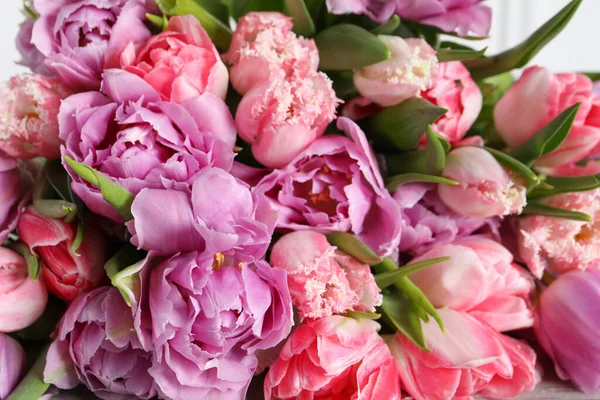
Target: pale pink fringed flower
[562,245]
[323,281]
[264,46]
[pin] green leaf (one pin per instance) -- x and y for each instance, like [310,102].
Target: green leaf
[549,211]
[402,126]
[123,271]
[394,182]
[303,23]
[116,195]
[78,239]
[216,29]
[32,386]
[435,153]
[531,179]
[33,263]
[563,184]
[594,76]
[362,315]
[354,247]
[386,279]
[346,46]
[403,315]
[449,54]
[548,138]
[343,84]
[159,21]
[389,27]
[520,55]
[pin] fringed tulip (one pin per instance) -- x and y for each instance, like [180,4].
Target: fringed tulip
[12,364]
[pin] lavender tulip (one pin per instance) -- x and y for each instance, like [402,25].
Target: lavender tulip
[12,364]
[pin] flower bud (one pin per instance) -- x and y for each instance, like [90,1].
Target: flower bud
[12,364]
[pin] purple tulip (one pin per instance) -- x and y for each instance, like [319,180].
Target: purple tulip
[11,197]
[140,141]
[427,222]
[222,215]
[31,56]
[335,185]
[97,345]
[12,364]
[82,38]
[205,318]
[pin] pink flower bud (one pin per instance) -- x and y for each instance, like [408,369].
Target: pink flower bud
[11,195]
[66,271]
[23,300]
[322,280]
[28,116]
[567,328]
[538,97]
[12,364]
[264,46]
[558,244]
[282,117]
[410,70]
[484,188]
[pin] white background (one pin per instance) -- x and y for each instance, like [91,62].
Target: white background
[576,49]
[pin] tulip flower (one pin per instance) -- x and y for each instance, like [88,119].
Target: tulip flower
[12,364]
[485,188]
[12,197]
[23,300]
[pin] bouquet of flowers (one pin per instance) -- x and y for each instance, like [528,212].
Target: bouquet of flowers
[294,199]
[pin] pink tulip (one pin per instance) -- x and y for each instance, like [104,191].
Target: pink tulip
[12,197]
[485,188]
[469,358]
[282,117]
[263,47]
[12,364]
[23,300]
[29,116]
[334,358]
[558,244]
[410,70]
[480,278]
[454,89]
[181,62]
[567,328]
[537,98]
[66,271]
[322,280]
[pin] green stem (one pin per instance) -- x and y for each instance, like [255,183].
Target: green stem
[33,385]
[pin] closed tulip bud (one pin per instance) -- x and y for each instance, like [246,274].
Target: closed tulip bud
[485,188]
[23,300]
[12,364]
[67,271]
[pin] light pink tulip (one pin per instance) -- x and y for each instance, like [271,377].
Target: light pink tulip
[334,358]
[23,300]
[480,278]
[410,70]
[322,280]
[29,116]
[558,244]
[12,364]
[181,62]
[469,358]
[567,327]
[264,47]
[282,117]
[12,199]
[537,98]
[485,188]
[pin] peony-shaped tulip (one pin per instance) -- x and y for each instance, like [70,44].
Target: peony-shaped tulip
[13,364]
[222,215]
[11,196]
[67,271]
[181,62]
[140,141]
[427,221]
[469,358]
[80,39]
[263,47]
[379,11]
[30,55]
[410,70]
[566,327]
[561,245]
[481,279]
[28,116]
[538,97]
[485,188]
[334,358]
[323,280]
[282,117]
[454,90]
[23,300]
[205,317]
[97,345]
[335,185]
